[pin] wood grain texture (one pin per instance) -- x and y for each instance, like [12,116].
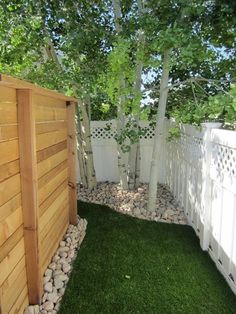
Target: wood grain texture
[10,207]
[50,114]
[52,173]
[8,132]
[8,94]
[34,189]
[10,225]
[9,151]
[9,169]
[71,142]
[13,286]
[50,187]
[52,212]
[53,196]
[11,82]
[8,112]
[11,260]
[21,303]
[62,210]
[9,188]
[11,242]
[48,164]
[28,165]
[48,139]
[56,235]
[47,101]
[46,127]
[49,151]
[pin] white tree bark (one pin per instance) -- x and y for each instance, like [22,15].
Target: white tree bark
[159,131]
[134,166]
[85,155]
[80,152]
[134,154]
[122,160]
[87,146]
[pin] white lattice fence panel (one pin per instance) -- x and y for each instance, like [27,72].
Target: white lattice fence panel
[105,150]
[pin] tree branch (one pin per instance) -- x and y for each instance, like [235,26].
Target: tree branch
[190,80]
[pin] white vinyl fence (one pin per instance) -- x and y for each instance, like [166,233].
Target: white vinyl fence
[201,173]
[200,170]
[105,151]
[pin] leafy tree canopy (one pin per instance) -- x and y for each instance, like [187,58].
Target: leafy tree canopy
[91,56]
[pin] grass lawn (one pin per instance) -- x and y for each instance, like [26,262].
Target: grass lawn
[126,265]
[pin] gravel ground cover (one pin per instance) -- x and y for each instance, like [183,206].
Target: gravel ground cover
[134,202]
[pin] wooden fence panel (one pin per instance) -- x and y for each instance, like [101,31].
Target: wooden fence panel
[36,170]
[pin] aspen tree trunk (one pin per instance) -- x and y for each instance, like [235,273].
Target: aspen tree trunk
[87,146]
[134,166]
[85,153]
[134,154]
[80,152]
[122,162]
[159,131]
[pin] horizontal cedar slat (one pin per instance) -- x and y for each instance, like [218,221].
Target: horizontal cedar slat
[50,225]
[55,171]
[8,112]
[21,302]
[48,164]
[49,256]
[55,237]
[6,248]
[45,127]
[55,194]
[8,132]
[12,82]
[48,139]
[49,114]
[10,207]
[47,189]
[9,169]
[11,260]
[10,225]
[13,286]
[63,219]
[48,152]
[9,188]
[9,151]
[52,211]
[8,94]
[47,101]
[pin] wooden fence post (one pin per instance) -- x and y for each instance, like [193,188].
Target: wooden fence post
[71,143]
[28,168]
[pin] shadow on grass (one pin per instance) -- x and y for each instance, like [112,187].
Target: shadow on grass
[127,265]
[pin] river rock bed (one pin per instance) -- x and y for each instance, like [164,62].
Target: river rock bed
[57,274]
[134,203]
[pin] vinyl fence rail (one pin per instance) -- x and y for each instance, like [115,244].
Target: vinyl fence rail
[200,170]
[37,186]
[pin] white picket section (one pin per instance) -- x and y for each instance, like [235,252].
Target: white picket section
[200,170]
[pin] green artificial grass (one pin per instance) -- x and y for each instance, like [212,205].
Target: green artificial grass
[126,265]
